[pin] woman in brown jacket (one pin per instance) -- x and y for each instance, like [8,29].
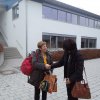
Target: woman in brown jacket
[41,61]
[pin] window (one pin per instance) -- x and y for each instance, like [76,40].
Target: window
[15,12]
[87,22]
[62,16]
[88,43]
[73,38]
[60,41]
[69,17]
[96,24]
[45,11]
[91,23]
[49,13]
[46,38]
[82,21]
[74,19]
[55,41]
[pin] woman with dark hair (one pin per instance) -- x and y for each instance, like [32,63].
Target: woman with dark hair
[73,65]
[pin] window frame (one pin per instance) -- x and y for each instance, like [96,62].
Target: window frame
[15,12]
[88,39]
[88,19]
[56,40]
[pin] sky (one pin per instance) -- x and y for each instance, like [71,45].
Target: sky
[88,5]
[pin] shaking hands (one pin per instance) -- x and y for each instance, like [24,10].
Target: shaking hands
[47,66]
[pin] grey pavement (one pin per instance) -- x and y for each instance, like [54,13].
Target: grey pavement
[14,86]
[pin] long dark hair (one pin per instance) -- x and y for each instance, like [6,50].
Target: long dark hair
[69,45]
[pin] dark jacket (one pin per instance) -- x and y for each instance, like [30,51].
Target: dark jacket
[39,67]
[73,71]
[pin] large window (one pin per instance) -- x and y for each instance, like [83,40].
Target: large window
[88,42]
[70,17]
[91,23]
[96,24]
[46,38]
[82,21]
[99,24]
[15,12]
[74,19]
[60,41]
[49,13]
[87,22]
[55,41]
[73,38]
[62,16]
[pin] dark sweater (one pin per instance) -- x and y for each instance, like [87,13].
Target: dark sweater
[73,71]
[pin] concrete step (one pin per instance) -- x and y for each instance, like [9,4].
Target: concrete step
[2,41]
[11,53]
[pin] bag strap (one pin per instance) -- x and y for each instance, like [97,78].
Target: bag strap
[33,52]
[32,56]
[50,73]
[85,74]
[68,64]
[36,56]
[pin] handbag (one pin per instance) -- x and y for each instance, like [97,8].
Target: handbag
[49,83]
[44,85]
[81,90]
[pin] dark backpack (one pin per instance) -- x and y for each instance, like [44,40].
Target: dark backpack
[26,66]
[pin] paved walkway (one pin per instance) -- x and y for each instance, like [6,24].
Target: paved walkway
[15,87]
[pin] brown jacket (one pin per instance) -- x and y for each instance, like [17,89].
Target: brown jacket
[38,63]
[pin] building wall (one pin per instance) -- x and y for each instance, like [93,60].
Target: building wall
[34,23]
[14,31]
[30,24]
[70,29]
[37,25]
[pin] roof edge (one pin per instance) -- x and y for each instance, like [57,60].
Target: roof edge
[72,8]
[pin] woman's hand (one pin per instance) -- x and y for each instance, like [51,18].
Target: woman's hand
[68,81]
[47,66]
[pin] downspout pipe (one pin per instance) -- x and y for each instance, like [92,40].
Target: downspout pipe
[26,29]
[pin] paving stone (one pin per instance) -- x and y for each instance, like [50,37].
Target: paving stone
[15,86]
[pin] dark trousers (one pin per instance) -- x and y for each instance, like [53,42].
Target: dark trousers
[69,89]
[37,94]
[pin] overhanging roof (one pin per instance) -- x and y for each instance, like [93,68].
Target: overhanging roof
[2,8]
[8,3]
[72,8]
[69,7]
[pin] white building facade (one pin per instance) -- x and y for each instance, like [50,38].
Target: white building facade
[30,21]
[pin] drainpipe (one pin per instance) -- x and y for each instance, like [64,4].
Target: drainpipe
[26,29]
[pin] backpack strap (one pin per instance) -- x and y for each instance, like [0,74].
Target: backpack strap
[36,56]
[32,53]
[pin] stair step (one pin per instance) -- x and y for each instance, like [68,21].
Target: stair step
[2,40]
[11,53]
